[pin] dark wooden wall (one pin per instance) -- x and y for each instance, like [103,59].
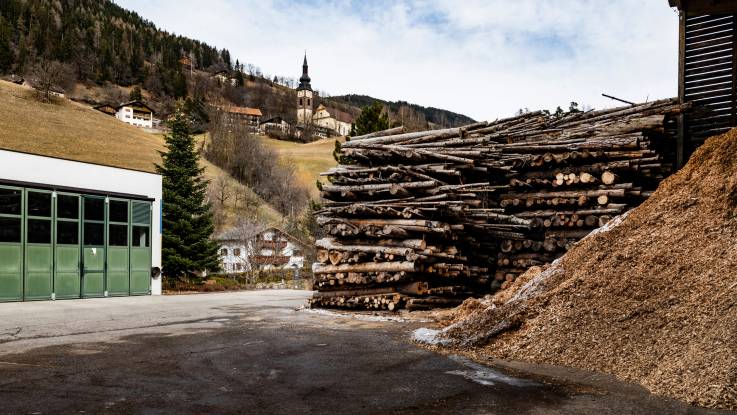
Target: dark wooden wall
[707,77]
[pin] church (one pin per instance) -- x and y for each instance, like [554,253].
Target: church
[326,120]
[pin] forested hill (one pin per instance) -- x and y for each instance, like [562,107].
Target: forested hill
[108,49]
[407,113]
[100,41]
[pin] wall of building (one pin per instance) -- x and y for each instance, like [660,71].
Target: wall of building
[125,114]
[29,168]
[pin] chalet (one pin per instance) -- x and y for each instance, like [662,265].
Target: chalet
[269,248]
[185,62]
[135,113]
[249,116]
[107,109]
[274,124]
[222,77]
[333,119]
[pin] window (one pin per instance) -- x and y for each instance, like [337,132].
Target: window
[118,235]
[10,201]
[238,267]
[10,230]
[39,204]
[223,252]
[67,233]
[308,102]
[140,237]
[94,209]
[39,231]
[67,207]
[118,211]
[300,101]
[94,234]
[237,252]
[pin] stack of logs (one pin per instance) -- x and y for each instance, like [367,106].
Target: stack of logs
[426,219]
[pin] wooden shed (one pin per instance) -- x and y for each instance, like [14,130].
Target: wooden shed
[707,72]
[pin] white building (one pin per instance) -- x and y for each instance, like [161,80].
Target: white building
[304,97]
[274,124]
[325,121]
[333,119]
[136,113]
[70,229]
[269,248]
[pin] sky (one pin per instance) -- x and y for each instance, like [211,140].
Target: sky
[483,58]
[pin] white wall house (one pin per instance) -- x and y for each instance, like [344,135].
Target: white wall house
[269,248]
[70,229]
[136,113]
[333,119]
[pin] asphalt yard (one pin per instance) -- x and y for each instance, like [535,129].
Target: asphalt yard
[259,352]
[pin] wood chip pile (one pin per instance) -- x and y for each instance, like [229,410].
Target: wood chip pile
[652,300]
[426,219]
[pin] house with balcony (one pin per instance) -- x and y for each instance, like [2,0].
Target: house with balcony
[261,249]
[135,113]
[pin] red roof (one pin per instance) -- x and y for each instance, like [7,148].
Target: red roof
[243,110]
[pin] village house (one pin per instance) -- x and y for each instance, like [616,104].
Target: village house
[333,119]
[186,62]
[263,249]
[249,116]
[274,124]
[223,77]
[107,109]
[135,113]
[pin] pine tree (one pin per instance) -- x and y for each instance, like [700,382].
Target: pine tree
[6,54]
[136,94]
[372,119]
[187,245]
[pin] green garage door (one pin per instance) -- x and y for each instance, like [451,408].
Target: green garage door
[93,250]
[140,248]
[39,259]
[118,275]
[67,263]
[56,245]
[11,244]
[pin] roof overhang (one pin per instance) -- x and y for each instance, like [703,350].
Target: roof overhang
[701,7]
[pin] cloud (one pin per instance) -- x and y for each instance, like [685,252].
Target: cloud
[483,58]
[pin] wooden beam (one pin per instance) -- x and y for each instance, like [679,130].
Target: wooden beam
[681,137]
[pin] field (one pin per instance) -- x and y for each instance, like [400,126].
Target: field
[74,131]
[309,159]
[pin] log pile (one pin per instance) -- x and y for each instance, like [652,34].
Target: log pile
[425,219]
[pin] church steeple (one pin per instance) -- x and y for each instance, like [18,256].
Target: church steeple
[304,80]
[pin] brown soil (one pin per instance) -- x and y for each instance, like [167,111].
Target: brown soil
[653,300]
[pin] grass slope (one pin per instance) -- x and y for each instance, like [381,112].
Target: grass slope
[74,131]
[309,159]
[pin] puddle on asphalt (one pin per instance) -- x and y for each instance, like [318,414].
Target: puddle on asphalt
[485,375]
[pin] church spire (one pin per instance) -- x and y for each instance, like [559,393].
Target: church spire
[304,81]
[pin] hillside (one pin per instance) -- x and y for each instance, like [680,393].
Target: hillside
[103,50]
[74,131]
[309,159]
[402,112]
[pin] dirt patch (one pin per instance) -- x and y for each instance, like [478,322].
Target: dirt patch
[651,300]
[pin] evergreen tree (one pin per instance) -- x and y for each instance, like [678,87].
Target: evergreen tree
[372,119]
[6,54]
[136,94]
[187,219]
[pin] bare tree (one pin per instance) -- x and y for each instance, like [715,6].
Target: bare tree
[49,76]
[222,190]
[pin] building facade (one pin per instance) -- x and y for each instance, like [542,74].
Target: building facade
[248,116]
[135,113]
[333,119]
[304,97]
[70,229]
[265,249]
